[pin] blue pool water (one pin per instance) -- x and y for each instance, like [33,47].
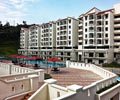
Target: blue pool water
[118,78]
[45,63]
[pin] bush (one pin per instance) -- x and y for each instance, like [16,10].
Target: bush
[113,64]
[47,76]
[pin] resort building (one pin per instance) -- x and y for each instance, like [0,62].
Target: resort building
[117,32]
[24,41]
[34,40]
[96,36]
[48,41]
[66,38]
[92,38]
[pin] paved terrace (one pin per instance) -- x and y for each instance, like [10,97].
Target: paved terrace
[69,76]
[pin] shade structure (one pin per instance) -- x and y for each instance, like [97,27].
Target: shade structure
[53,59]
[34,58]
[13,56]
[21,56]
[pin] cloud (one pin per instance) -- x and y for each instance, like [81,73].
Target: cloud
[11,10]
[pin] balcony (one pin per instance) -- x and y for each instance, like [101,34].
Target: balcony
[117,19]
[116,49]
[91,25]
[80,41]
[80,35]
[92,31]
[116,25]
[116,31]
[116,43]
[80,30]
[116,37]
[80,24]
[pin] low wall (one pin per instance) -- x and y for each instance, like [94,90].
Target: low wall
[18,80]
[77,92]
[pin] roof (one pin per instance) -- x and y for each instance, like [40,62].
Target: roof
[51,22]
[70,76]
[91,10]
[66,19]
[22,28]
[102,12]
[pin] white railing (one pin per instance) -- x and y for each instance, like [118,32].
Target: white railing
[17,80]
[108,77]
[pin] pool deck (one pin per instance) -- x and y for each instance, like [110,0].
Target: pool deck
[70,76]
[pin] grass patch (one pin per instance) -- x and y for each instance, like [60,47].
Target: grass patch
[47,76]
[108,87]
[112,65]
[8,50]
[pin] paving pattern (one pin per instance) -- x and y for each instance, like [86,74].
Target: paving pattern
[69,76]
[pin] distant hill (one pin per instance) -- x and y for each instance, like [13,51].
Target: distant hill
[9,39]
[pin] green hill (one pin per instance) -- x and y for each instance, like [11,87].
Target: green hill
[9,39]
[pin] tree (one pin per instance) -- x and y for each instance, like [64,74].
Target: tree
[7,24]
[24,23]
[0,23]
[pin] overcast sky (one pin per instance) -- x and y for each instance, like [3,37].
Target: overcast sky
[40,11]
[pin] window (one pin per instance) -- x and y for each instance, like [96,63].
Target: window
[106,35]
[50,25]
[22,87]
[106,16]
[64,22]
[69,42]
[85,41]
[106,41]
[13,89]
[106,22]
[85,35]
[85,24]
[69,37]
[58,94]
[69,26]
[106,29]
[58,23]
[69,21]
[85,17]
[69,32]
[86,30]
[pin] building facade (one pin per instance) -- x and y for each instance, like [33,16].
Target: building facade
[48,41]
[96,36]
[92,38]
[66,38]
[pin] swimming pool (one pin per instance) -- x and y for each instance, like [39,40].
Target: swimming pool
[118,78]
[45,63]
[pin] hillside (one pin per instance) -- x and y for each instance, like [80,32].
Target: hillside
[9,39]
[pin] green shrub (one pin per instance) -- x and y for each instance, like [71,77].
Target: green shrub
[113,64]
[47,76]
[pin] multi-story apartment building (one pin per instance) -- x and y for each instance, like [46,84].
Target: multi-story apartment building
[66,38]
[93,38]
[34,40]
[23,41]
[117,32]
[96,36]
[48,41]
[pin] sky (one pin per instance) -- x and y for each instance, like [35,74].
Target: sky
[42,11]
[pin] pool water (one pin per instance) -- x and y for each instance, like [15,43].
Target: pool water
[118,78]
[45,63]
